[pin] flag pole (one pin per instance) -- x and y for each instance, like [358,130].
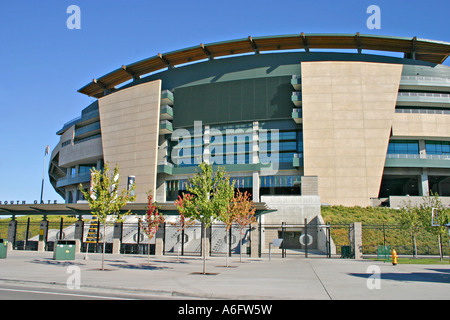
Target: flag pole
[43,173]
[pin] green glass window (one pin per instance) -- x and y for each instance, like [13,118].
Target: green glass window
[403,147]
[437,147]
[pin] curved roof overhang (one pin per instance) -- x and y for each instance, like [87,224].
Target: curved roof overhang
[168,208]
[419,49]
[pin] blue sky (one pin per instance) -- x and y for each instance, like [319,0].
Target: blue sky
[43,63]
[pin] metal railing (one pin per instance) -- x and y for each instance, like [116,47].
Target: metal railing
[446,80]
[424,94]
[86,116]
[422,111]
[418,156]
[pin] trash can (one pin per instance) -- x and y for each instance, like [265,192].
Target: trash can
[64,250]
[384,253]
[346,252]
[3,248]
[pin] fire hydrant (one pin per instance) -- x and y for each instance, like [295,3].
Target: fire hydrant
[394,257]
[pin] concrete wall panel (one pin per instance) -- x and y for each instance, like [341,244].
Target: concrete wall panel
[348,110]
[130,127]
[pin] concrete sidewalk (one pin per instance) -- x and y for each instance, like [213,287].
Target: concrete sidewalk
[280,279]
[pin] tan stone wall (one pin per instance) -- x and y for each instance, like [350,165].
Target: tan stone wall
[129,122]
[424,126]
[348,109]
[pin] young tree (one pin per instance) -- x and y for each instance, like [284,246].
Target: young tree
[242,212]
[105,200]
[441,218]
[153,219]
[410,219]
[228,219]
[208,199]
[181,223]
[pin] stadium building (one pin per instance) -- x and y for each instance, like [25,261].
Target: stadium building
[296,120]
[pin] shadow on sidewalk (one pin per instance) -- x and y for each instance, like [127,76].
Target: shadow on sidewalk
[141,266]
[438,276]
[57,263]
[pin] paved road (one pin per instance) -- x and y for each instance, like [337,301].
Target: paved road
[35,291]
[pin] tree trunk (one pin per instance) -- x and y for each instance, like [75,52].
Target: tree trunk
[240,249]
[228,247]
[104,245]
[204,250]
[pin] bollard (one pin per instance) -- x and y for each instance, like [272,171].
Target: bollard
[270,249]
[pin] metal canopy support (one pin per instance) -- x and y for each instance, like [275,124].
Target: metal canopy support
[79,212]
[39,210]
[44,212]
[253,44]
[6,210]
[305,41]
[166,62]
[102,85]
[413,48]
[131,73]
[206,51]
[358,43]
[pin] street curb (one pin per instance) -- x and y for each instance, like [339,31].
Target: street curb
[162,293]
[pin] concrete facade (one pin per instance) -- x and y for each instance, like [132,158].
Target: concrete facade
[130,129]
[420,126]
[348,109]
[292,209]
[338,126]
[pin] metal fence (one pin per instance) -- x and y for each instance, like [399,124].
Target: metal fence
[394,236]
[298,240]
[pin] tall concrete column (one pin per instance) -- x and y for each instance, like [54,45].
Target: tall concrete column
[160,194]
[255,187]
[422,149]
[159,240]
[424,188]
[254,241]
[66,198]
[78,236]
[12,233]
[356,239]
[117,237]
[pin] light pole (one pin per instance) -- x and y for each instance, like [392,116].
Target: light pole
[43,172]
